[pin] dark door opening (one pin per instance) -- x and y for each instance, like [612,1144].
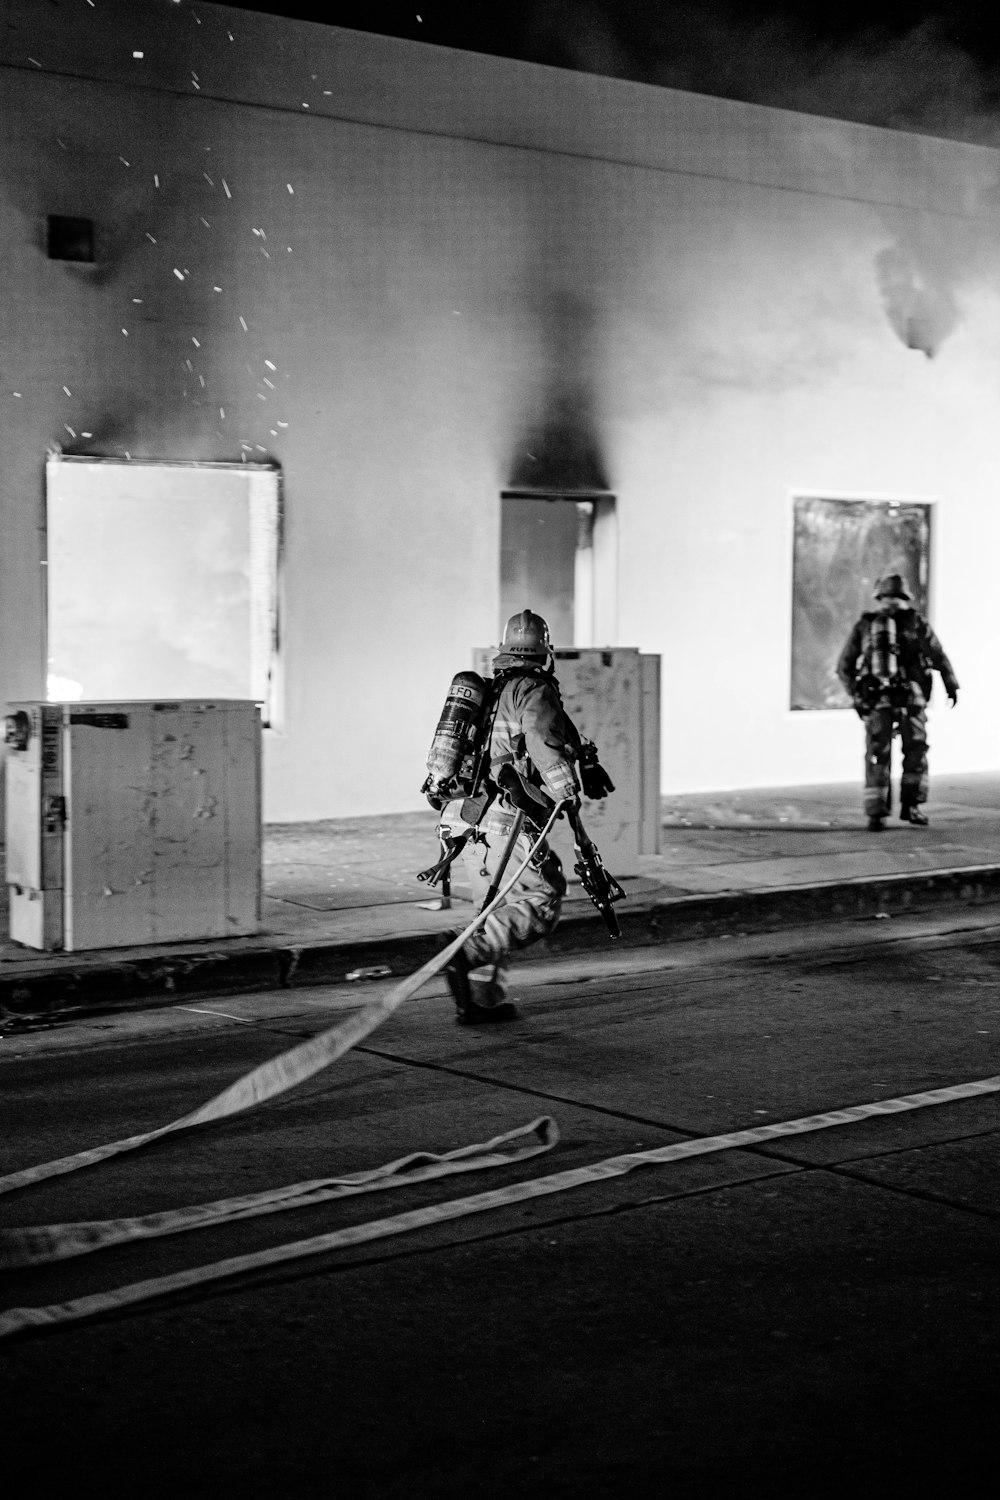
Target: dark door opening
[558,556]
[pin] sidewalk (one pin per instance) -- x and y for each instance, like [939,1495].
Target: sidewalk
[341,896]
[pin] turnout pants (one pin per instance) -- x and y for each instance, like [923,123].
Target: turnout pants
[530,911]
[879,726]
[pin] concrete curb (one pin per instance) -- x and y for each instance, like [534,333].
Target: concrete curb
[100,984]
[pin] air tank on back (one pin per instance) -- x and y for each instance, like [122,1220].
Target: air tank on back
[456,728]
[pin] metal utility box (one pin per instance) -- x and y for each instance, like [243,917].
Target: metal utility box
[133,822]
[613,697]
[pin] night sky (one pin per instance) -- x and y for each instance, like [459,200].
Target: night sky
[926,65]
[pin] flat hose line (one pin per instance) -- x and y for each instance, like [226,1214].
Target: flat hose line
[28,1319]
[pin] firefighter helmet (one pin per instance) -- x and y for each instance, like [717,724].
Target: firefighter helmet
[526,635]
[892,586]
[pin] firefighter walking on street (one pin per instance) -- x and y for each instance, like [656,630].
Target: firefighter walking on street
[886,668]
[532,758]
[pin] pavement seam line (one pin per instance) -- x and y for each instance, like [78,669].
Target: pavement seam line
[24,1319]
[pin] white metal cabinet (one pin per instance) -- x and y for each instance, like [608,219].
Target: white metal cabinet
[133,822]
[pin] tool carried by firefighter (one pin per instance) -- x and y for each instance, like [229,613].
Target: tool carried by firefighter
[534,806]
[602,888]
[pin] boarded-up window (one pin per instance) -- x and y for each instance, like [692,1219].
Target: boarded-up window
[841,547]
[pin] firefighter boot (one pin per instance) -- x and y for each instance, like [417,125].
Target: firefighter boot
[908,814]
[467,1011]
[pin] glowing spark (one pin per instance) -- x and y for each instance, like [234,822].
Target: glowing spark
[202,379]
[195,342]
[138,54]
[268,382]
[17,394]
[222,412]
[282,424]
[243,322]
[156,179]
[289,187]
[261,396]
[262,449]
[189,365]
[125,332]
[35,61]
[150,237]
[60,143]
[195,83]
[136,299]
[269,365]
[128,455]
[216,289]
[229,34]
[304,105]
[86,434]
[123,161]
[67,390]
[69,429]
[273,433]
[328,91]
[265,252]
[205,221]
[208,179]
[178,274]
[225,184]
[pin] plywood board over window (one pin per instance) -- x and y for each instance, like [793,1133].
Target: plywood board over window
[841,548]
[162,580]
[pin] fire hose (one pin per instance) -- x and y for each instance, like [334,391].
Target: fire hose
[46,1243]
[288,1069]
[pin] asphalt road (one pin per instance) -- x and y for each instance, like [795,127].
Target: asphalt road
[817,1315]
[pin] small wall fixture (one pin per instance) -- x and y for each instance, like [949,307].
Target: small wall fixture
[70,239]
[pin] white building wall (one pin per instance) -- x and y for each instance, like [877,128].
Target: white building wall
[463,236]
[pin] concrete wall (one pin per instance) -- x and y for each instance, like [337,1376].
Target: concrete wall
[436,251]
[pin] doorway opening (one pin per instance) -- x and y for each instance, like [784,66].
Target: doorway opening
[559,557]
[162,580]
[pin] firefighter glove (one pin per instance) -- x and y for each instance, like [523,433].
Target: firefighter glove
[594,778]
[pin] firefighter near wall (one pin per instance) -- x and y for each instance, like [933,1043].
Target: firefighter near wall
[886,666]
[504,756]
